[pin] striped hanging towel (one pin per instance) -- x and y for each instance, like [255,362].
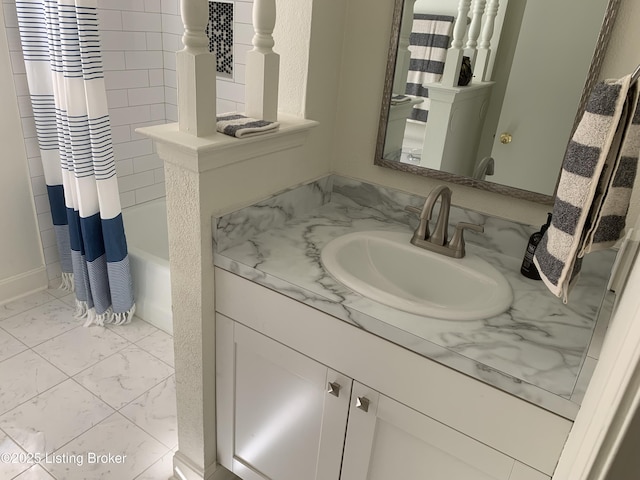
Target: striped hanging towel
[595,185]
[428,44]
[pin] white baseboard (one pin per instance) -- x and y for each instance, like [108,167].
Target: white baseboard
[20,285]
[185,469]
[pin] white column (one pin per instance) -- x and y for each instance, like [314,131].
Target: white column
[262,65]
[455,53]
[196,71]
[474,29]
[481,70]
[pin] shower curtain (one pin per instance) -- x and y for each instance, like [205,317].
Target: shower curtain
[63,61]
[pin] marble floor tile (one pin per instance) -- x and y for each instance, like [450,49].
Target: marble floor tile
[23,304]
[162,469]
[41,323]
[135,330]
[124,376]
[80,348]
[27,375]
[132,452]
[53,418]
[155,412]
[15,462]
[9,346]
[160,345]
[34,473]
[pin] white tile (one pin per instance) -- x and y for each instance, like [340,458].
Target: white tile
[122,79]
[9,347]
[158,174]
[147,162]
[133,149]
[157,111]
[160,345]
[81,348]
[17,62]
[169,59]
[124,168]
[172,24]
[127,199]
[41,323]
[243,33]
[109,20]
[172,113]
[26,375]
[48,421]
[42,203]
[223,106]
[24,107]
[171,95]
[32,147]
[10,15]
[151,192]
[38,185]
[170,78]
[28,127]
[121,133]
[142,22]
[143,60]
[172,42]
[13,38]
[11,468]
[113,60]
[156,76]
[146,96]
[162,469]
[44,219]
[34,473]
[137,180]
[54,271]
[115,435]
[243,12]
[23,304]
[155,412]
[117,99]
[51,254]
[136,330]
[112,40]
[154,41]
[124,376]
[152,6]
[35,167]
[230,91]
[129,115]
[127,5]
[48,238]
[169,6]
[240,52]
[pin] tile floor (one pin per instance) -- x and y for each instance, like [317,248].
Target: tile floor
[81,394]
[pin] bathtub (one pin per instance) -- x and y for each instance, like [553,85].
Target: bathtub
[148,243]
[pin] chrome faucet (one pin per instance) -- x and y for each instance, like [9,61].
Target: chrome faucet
[438,240]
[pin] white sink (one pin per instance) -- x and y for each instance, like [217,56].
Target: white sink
[385,267]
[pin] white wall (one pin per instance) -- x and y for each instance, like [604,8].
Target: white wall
[21,260]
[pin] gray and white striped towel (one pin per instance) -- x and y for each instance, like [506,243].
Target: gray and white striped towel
[428,44]
[597,177]
[240,126]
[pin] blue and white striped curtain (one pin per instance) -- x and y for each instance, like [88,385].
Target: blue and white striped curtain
[61,48]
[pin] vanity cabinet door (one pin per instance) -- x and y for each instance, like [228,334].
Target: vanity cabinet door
[289,412]
[386,439]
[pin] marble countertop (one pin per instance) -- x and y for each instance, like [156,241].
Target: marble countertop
[535,350]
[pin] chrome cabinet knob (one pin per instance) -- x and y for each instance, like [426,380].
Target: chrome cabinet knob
[362,403]
[334,389]
[505,138]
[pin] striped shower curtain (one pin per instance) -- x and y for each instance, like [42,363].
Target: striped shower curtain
[63,61]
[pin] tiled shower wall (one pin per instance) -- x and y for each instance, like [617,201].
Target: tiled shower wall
[139,41]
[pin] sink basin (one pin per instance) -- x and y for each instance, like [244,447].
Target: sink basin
[385,267]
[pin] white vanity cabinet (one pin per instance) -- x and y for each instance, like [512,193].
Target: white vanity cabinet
[284,412]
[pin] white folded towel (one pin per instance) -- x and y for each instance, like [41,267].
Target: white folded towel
[240,126]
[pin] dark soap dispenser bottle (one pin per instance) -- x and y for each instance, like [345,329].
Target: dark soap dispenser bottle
[528,268]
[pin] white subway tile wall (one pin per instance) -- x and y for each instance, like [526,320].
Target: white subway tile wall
[139,40]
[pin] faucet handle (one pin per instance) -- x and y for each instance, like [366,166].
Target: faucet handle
[457,242]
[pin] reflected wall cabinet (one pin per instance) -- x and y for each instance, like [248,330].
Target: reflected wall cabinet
[284,414]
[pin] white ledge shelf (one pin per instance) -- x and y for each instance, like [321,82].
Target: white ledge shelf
[201,154]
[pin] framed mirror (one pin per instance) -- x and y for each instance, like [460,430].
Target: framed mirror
[507,130]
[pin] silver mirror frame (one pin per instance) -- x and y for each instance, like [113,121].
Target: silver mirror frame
[592,78]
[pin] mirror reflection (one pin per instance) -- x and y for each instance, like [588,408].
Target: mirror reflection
[511,123]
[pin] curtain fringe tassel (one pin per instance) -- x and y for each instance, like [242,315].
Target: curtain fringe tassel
[67,282]
[108,317]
